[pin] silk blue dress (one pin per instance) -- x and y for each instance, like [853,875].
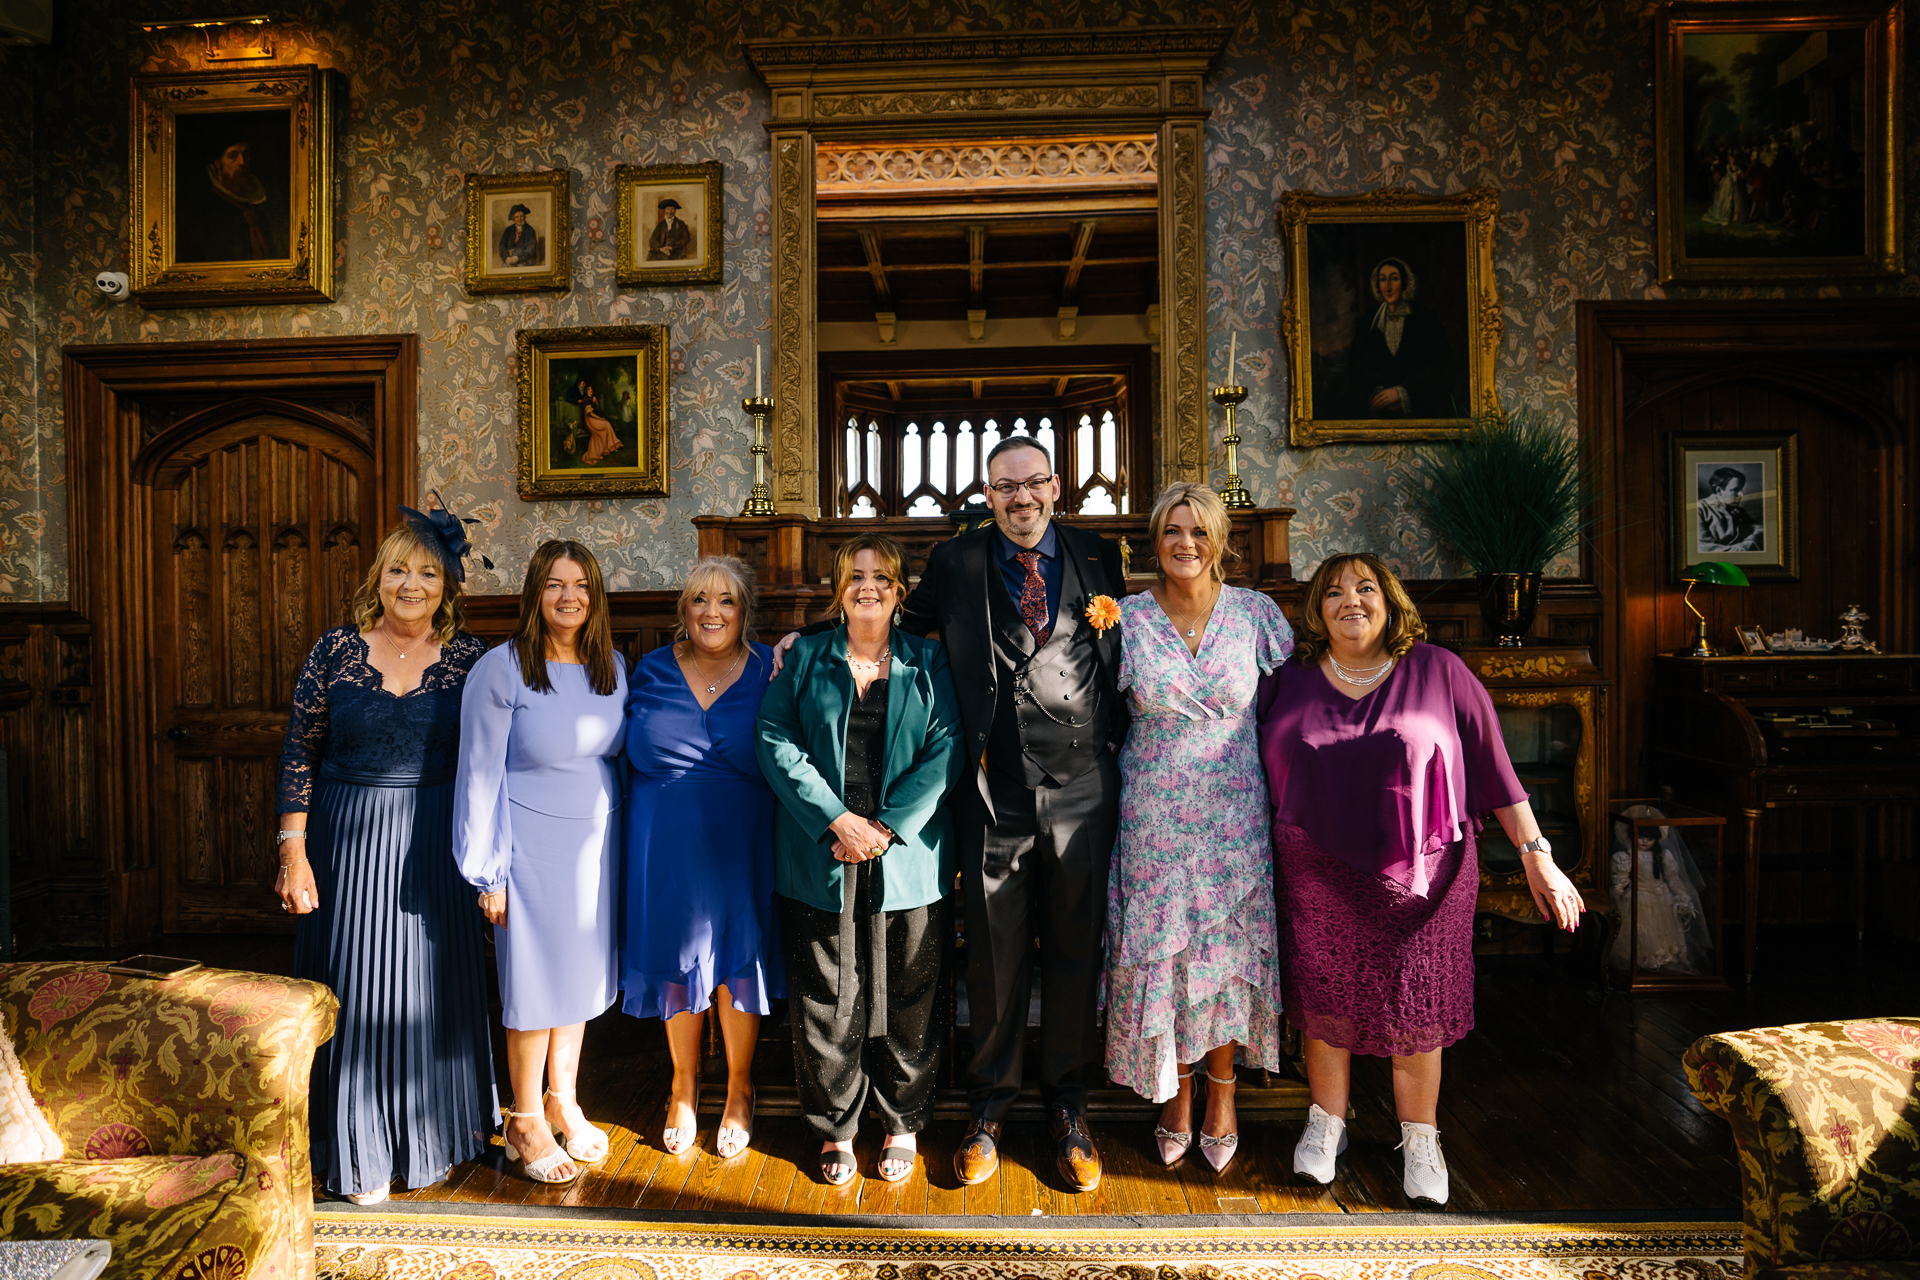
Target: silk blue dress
[536,811]
[699,851]
[405,1086]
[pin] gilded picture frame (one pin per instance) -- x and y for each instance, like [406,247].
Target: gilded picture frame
[230,186]
[520,232]
[593,412]
[1778,136]
[1413,363]
[1735,498]
[671,223]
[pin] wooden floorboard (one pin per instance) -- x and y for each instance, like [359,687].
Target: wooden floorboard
[1562,1097]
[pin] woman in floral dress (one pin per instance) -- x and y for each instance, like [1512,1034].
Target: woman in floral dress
[1191,970]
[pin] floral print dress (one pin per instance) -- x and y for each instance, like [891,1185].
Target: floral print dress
[1190,918]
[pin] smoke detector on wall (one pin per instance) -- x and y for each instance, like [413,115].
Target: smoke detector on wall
[26,21]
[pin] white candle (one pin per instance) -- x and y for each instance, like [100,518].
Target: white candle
[1233,353]
[756,371]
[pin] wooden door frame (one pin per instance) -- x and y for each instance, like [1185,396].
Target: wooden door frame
[110,570]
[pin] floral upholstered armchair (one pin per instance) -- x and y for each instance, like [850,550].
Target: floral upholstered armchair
[1826,1125]
[183,1107]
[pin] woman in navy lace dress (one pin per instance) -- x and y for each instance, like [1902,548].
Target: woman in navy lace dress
[405,1087]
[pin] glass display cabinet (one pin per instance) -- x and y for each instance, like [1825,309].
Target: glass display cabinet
[1665,880]
[1552,703]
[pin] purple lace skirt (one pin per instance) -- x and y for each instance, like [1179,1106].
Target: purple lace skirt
[1367,966]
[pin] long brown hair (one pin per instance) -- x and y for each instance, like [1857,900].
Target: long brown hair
[400,546]
[529,639]
[1404,625]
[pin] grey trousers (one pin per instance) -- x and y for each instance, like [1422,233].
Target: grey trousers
[898,957]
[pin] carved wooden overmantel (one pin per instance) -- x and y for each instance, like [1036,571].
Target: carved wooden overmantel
[994,87]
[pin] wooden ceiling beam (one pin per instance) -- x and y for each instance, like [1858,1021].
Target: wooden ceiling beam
[870,246]
[1082,242]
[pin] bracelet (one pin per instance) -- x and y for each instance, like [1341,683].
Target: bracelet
[288,862]
[285,834]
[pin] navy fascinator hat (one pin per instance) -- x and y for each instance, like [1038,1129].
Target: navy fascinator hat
[444,534]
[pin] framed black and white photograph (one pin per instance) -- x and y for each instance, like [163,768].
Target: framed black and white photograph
[1735,499]
[519,232]
[1392,318]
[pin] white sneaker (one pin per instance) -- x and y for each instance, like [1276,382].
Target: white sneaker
[1426,1168]
[1325,1138]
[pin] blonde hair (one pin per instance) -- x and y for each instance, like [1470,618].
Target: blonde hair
[1405,628]
[400,546]
[529,638]
[737,574]
[893,558]
[1207,509]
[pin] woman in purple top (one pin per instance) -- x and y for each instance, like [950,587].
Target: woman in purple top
[1382,754]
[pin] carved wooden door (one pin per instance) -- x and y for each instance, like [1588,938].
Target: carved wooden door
[261,532]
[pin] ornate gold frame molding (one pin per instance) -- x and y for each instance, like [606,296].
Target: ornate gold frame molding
[1026,85]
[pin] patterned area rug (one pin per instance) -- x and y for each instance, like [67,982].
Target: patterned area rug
[378,1246]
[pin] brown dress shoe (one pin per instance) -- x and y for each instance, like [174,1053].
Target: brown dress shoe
[1079,1161]
[979,1155]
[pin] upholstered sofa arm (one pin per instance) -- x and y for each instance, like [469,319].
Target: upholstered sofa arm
[211,1061]
[1823,1126]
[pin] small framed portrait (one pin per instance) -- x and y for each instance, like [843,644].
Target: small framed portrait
[1778,140]
[1391,317]
[1752,640]
[1736,498]
[671,223]
[519,232]
[593,412]
[231,187]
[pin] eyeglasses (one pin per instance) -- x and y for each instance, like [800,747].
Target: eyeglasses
[1035,485]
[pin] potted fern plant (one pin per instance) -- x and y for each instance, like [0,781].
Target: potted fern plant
[1509,497]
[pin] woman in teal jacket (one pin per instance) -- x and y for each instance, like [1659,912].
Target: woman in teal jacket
[860,741]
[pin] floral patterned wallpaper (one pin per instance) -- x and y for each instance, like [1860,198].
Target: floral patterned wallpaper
[1549,100]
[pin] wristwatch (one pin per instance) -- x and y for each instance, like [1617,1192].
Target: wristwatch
[1537,845]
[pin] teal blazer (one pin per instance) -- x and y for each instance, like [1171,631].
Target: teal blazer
[802,750]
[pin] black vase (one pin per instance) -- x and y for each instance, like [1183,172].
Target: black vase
[1508,602]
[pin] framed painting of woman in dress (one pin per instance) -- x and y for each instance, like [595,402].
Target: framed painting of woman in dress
[1778,136]
[1391,318]
[593,412]
[519,232]
[672,220]
[231,187]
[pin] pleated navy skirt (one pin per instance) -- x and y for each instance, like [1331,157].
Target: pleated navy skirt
[405,1089]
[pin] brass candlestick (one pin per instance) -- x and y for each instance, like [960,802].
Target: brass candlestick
[1235,494]
[759,503]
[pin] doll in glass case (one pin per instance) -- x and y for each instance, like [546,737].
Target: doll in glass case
[1674,932]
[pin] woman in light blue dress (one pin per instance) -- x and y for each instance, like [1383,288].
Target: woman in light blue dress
[542,725]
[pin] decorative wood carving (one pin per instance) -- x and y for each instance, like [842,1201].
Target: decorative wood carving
[87,823]
[1024,88]
[846,170]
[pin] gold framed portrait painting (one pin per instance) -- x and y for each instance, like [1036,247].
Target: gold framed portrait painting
[672,220]
[519,232]
[1778,136]
[1391,318]
[231,187]
[593,412]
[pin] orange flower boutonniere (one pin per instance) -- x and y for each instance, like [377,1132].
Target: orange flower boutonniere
[1102,612]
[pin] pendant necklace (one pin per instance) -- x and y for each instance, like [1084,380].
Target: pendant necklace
[388,636]
[1190,624]
[713,683]
[880,663]
[1352,675]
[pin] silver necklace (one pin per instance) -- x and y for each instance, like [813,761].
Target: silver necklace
[713,684]
[391,644]
[876,664]
[1352,675]
[1190,629]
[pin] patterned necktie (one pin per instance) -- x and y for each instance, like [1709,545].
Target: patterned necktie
[1033,599]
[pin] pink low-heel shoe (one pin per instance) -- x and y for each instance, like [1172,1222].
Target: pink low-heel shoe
[1174,1145]
[1218,1152]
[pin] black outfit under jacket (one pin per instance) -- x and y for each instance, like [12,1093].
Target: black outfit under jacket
[1038,810]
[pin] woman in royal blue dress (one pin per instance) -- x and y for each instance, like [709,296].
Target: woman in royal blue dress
[700,928]
[404,1089]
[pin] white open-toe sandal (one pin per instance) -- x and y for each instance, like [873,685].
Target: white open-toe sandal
[730,1141]
[540,1170]
[676,1138]
[590,1148]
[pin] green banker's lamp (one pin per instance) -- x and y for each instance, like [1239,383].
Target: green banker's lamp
[1717,573]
